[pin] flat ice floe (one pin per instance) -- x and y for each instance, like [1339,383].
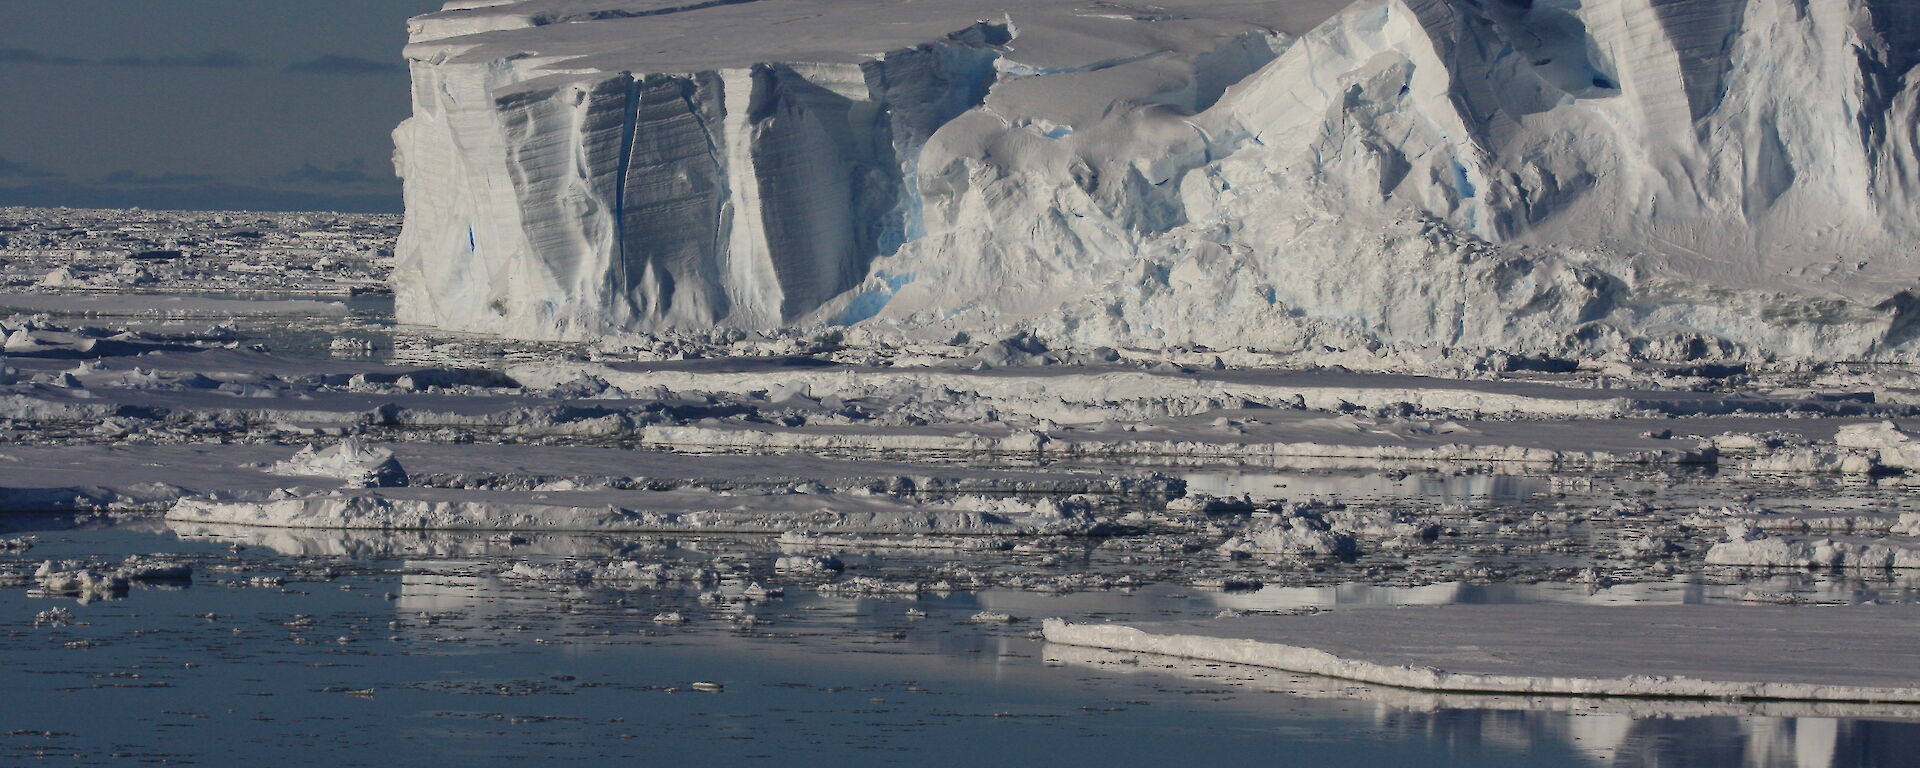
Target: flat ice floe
[150,476]
[1246,677]
[139,305]
[1842,654]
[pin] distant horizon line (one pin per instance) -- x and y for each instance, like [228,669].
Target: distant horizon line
[150,209]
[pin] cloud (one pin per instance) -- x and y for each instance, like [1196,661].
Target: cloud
[221,58]
[350,172]
[155,179]
[13,170]
[29,56]
[332,64]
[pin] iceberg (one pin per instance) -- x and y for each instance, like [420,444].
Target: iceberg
[1647,179]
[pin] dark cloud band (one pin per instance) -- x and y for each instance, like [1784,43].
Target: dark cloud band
[221,58]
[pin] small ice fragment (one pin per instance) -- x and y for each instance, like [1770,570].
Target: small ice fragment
[805,564]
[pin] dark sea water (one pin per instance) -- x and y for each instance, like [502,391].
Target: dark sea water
[280,654]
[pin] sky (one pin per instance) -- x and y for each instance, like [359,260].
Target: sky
[203,104]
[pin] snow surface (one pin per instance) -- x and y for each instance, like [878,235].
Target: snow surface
[1680,179]
[1696,651]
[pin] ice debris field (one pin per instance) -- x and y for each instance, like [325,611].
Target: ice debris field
[1492,357]
[914,470]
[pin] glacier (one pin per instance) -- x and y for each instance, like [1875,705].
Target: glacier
[1641,179]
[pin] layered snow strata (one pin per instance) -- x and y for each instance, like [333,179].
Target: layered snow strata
[1661,178]
[1694,651]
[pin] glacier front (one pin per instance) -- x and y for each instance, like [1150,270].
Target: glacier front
[1661,179]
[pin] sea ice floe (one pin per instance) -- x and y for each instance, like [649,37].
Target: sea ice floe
[1292,536]
[808,565]
[69,578]
[1693,651]
[352,461]
[1750,546]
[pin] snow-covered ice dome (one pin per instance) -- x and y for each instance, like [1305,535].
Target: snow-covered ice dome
[1665,178]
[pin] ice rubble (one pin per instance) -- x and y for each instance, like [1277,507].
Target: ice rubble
[1299,534]
[1657,178]
[650,511]
[1750,546]
[628,571]
[178,252]
[72,577]
[1878,447]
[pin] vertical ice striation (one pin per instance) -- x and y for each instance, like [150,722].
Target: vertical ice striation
[1667,178]
[673,204]
[593,203]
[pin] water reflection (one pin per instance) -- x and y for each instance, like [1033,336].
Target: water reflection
[758,551]
[382,545]
[1466,489]
[1523,485]
[1688,589]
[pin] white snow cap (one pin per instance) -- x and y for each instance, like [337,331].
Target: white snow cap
[1681,179]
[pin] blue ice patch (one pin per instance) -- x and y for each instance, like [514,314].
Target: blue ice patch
[866,305]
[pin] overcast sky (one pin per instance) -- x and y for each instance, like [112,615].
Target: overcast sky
[203,104]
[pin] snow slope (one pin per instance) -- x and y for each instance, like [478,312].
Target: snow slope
[1657,178]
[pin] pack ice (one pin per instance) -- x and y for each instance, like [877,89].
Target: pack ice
[1660,178]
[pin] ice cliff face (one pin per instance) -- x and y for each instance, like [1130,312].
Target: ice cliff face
[1666,178]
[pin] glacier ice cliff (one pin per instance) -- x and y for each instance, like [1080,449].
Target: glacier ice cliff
[1666,179]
